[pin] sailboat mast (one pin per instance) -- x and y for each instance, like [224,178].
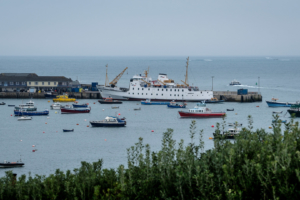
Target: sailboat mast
[106,79]
[186,73]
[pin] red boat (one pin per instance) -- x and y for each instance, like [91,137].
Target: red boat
[200,110]
[75,110]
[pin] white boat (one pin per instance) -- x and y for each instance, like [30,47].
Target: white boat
[28,106]
[162,89]
[235,124]
[56,106]
[24,118]
[235,82]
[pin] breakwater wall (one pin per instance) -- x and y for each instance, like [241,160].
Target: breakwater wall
[28,95]
[230,96]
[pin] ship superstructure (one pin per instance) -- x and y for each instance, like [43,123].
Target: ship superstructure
[162,89]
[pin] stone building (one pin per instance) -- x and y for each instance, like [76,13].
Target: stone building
[25,81]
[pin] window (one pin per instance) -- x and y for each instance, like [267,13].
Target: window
[142,93]
[142,88]
[157,89]
[146,94]
[182,90]
[178,95]
[36,83]
[132,93]
[171,90]
[11,83]
[175,90]
[162,89]
[170,94]
[0,83]
[54,83]
[17,83]
[29,83]
[156,94]
[149,89]
[132,88]
[23,83]
[42,83]
[64,83]
[48,83]
[138,88]
[128,92]
[166,89]
[162,94]
[138,93]
[182,95]
[151,93]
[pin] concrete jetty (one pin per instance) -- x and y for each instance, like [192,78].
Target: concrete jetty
[228,96]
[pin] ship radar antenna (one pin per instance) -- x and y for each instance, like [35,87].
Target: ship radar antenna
[186,73]
[106,79]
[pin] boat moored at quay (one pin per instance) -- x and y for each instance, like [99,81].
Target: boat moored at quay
[200,110]
[162,89]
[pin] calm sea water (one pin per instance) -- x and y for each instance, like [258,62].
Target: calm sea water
[278,78]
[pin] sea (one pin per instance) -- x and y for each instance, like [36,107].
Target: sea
[276,77]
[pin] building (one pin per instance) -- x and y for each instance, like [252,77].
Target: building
[24,81]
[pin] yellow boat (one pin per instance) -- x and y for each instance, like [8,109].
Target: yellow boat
[63,98]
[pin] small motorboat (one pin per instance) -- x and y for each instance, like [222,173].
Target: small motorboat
[234,82]
[109,101]
[6,164]
[230,109]
[109,121]
[2,103]
[173,104]
[75,110]
[11,105]
[230,134]
[149,102]
[24,118]
[137,108]
[80,105]
[295,110]
[63,98]
[68,130]
[275,103]
[56,106]
[279,121]
[233,124]
[214,100]
[114,107]
[274,112]
[29,106]
[200,110]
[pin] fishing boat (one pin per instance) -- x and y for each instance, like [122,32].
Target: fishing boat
[235,82]
[230,109]
[50,95]
[200,110]
[230,134]
[234,124]
[68,130]
[137,108]
[214,100]
[63,98]
[6,164]
[109,100]
[2,103]
[56,106]
[275,103]
[294,110]
[30,113]
[149,102]
[11,105]
[279,121]
[173,104]
[142,87]
[75,110]
[80,105]
[29,106]
[24,118]
[109,121]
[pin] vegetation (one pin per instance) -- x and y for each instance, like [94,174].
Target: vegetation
[257,165]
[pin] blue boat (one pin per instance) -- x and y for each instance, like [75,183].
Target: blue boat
[109,122]
[148,102]
[80,105]
[68,130]
[173,104]
[275,103]
[30,113]
[279,121]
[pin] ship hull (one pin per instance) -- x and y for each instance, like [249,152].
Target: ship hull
[74,111]
[296,112]
[279,104]
[201,115]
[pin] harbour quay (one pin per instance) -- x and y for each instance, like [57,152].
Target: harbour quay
[238,96]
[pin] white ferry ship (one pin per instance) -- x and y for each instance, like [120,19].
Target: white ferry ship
[162,89]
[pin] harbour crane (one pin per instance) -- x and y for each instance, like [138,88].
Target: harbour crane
[114,82]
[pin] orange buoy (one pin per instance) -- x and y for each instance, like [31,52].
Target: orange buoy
[257,106]
[87,126]
[119,113]
[210,138]
[33,150]
[33,145]
[105,139]
[152,131]
[87,104]
[212,126]
[48,101]
[45,122]
[10,115]
[94,103]
[44,132]
[77,124]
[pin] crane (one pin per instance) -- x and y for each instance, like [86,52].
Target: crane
[114,82]
[186,73]
[149,84]
[161,82]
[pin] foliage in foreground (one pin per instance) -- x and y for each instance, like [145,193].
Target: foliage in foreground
[258,165]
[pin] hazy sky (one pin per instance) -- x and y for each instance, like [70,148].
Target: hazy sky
[150,27]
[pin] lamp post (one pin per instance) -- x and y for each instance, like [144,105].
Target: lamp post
[212,83]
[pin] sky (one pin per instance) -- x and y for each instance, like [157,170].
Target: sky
[149,28]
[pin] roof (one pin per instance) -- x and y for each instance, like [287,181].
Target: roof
[31,77]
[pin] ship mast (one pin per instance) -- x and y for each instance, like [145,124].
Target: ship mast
[186,73]
[106,79]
